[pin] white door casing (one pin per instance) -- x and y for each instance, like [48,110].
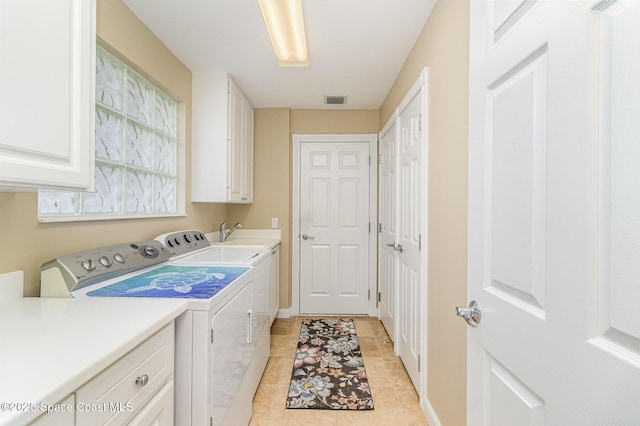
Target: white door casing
[335,206]
[411,236]
[387,259]
[554,212]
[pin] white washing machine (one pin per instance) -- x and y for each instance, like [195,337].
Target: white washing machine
[215,337]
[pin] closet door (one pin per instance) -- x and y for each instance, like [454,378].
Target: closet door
[410,237]
[387,271]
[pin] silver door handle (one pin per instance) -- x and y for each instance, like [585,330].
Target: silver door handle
[395,247]
[472,315]
[306,237]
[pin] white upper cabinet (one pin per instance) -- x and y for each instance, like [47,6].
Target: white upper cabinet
[222,141]
[47,81]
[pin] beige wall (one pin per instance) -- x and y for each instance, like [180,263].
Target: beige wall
[309,121]
[27,243]
[443,47]
[271,187]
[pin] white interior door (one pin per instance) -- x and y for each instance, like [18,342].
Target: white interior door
[335,227]
[554,212]
[387,276]
[411,218]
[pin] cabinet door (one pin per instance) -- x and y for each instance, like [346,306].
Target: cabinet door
[236,148]
[58,418]
[47,84]
[275,282]
[247,141]
[158,411]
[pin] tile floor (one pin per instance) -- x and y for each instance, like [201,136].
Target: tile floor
[394,398]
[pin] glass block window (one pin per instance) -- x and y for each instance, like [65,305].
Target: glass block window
[136,150]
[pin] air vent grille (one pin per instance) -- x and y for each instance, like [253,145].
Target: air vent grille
[335,99]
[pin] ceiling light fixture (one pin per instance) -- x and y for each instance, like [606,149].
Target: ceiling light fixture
[285,25]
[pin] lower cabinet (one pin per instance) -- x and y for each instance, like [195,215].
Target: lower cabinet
[136,388]
[158,411]
[62,414]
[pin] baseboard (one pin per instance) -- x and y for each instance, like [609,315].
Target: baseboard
[429,412]
[283,313]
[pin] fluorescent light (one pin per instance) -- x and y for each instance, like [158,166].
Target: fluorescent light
[285,25]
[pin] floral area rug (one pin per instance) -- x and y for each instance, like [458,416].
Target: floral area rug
[328,372]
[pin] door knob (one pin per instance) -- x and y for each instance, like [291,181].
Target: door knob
[395,247]
[472,315]
[306,237]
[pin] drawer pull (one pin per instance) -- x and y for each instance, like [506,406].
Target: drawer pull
[142,380]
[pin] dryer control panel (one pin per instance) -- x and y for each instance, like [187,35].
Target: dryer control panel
[183,242]
[88,267]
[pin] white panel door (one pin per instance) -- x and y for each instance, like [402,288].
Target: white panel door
[387,276]
[411,216]
[554,212]
[334,227]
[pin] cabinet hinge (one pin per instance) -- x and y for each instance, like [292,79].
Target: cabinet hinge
[212,335]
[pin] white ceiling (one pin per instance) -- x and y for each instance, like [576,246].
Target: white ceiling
[356,47]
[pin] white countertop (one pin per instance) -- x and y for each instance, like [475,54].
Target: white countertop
[50,347]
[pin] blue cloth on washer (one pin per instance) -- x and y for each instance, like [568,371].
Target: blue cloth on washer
[170,281]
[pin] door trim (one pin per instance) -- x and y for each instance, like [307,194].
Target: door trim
[297,140]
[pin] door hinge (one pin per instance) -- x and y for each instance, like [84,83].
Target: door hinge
[369,161]
[210,421]
[369,227]
[212,335]
[419,242]
[379,297]
[380,227]
[369,294]
[420,122]
[380,158]
[418,363]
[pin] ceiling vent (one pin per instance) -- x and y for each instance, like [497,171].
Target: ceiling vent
[335,100]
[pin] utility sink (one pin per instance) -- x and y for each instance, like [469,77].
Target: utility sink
[222,255]
[246,242]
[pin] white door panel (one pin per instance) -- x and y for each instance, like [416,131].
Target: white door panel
[554,212]
[387,276]
[334,215]
[411,297]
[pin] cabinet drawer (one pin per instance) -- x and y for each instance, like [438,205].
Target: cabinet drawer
[122,390]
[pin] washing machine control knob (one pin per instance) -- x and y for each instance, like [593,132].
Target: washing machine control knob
[119,257]
[149,251]
[88,265]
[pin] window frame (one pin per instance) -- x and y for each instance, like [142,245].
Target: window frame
[181,112]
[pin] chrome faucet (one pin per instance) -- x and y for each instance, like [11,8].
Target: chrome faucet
[224,233]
